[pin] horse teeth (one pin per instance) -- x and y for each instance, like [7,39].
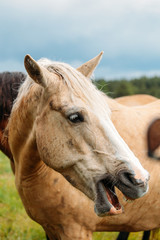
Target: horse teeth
[127,200]
[124,198]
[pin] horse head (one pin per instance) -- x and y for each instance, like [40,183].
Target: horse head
[76,137]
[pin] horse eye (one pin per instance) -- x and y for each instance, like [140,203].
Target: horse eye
[76,117]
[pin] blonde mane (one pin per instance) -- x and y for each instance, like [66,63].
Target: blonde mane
[77,83]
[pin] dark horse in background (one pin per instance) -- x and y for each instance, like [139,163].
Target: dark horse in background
[9,85]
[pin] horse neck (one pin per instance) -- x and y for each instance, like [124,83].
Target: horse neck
[114,105]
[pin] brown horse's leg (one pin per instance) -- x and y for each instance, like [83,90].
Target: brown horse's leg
[53,238]
[47,237]
[123,236]
[146,235]
[12,166]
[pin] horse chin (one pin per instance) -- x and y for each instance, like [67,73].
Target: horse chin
[106,202]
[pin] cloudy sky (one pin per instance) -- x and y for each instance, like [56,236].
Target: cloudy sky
[73,31]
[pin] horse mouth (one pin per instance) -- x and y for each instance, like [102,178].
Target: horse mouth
[107,202]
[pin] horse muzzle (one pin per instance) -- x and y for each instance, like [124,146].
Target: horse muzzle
[107,202]
[130,186]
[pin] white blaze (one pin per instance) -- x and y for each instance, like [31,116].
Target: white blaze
[122,151]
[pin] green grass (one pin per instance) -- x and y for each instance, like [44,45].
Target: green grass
[14,222]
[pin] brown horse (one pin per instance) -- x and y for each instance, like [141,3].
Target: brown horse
[70,215]
[9,85]
[153,136]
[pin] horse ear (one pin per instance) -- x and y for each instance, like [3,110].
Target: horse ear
[88,68]
[34,70]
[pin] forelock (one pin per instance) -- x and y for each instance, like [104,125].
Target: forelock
[77,83]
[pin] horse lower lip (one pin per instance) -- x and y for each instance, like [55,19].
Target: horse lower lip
[106,201]
[126,199]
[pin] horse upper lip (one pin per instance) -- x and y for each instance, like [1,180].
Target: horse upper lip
[130,186]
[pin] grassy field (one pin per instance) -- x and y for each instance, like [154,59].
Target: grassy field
[14,222]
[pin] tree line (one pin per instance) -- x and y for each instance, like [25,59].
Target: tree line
[123,87]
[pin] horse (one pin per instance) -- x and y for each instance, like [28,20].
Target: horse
[136,100]
[152,139]
[153,142]
[9,84]
[153,136]
[63,102]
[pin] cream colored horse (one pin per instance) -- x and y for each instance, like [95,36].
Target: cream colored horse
[136,100]
[153,133]
[63,122]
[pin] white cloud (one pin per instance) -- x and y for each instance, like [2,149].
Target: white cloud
[77,30]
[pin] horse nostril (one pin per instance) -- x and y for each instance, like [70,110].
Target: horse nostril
[137,182]
[129,179]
